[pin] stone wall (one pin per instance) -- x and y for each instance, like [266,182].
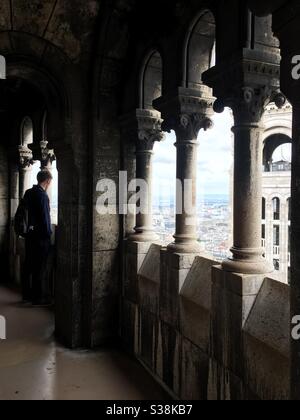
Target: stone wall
[203,333]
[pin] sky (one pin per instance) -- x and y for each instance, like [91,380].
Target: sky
[215,160]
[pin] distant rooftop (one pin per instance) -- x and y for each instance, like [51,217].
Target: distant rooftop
[281,166]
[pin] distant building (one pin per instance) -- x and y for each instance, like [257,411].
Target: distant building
[277,190]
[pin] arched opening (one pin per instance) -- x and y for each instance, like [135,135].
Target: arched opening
[276,208]
[26,131]
[277,148]
[264,208]
[151,80]
[276,179]
[200,49]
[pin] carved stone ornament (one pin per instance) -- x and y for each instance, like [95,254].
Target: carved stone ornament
[47,155]
[144,126]
[249,104]
[187,126]
[148,138]
[25,157]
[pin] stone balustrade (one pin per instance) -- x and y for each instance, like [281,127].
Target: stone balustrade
[204,333]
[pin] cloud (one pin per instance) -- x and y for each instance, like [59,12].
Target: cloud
[215,158]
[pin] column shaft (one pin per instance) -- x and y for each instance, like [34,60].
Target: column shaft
[144,228]
[247,250]
[25,177]
[186,195]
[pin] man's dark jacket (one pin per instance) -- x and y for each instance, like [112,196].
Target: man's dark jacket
[39,212]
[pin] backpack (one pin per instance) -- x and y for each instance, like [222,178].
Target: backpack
[21,222]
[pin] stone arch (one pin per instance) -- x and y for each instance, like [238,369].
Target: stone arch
[51,72]
[271,143]
[151,79]
[26,131]
[276,203]
[50,92]
[200,42]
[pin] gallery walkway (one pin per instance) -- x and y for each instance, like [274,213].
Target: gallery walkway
[34,367]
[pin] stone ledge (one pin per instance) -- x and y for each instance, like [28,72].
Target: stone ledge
[269,319]
[150,269]
[239,284]
[197,285]
[138,247]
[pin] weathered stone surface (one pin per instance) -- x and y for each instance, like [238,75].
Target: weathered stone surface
[106,232]
[267,342]
[150,269]
[129,327]
[105,273]
[149,280]
[197,286]
[269,320]
[194,375]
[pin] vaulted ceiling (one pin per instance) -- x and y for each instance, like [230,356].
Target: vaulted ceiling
[66,24]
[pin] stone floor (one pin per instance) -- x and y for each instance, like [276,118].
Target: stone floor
[34,367]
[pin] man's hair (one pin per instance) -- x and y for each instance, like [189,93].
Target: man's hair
[43,176]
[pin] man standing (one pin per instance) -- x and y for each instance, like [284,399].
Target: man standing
[38,239]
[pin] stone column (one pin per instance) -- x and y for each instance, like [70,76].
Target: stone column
[25,168]
[247,250]
[145,126]
[186,114]
[248,105]
[187,128]
[129,167]
[14,257]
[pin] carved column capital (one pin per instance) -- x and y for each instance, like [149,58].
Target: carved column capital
[187,111]
[187,126]
[249,103]
[144,127]
[246,85]
[25,157]
[47,155]
[147,138]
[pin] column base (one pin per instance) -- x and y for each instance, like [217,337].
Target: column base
[247,261]
[185,248]
[260,266]
[143,237]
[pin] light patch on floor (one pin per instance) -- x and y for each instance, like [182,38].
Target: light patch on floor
[34,367]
